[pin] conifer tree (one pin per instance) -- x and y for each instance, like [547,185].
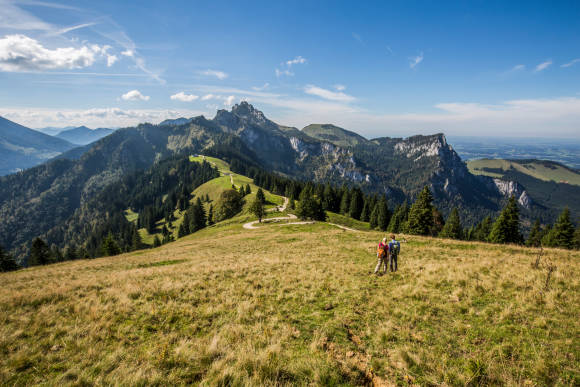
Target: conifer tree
[248,189]
[71,253]
[577,237]
[399,218]
[257,208]
[310,207]
[110,246]
[345,201]
[383,214]
[420,220]
[482,230]
[260,196]
[210,215]
[329,198]
[156,241]
[292,204]
[39,253]
[506,228]
[374,217]
[535,237]
[198,217]
[562,234]
[7,262]
[136,241]
[438,222]
[452,228]
[356,204]
[365,214]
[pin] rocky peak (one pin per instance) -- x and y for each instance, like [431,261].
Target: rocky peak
[243,115]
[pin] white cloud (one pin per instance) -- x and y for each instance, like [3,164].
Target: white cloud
[297,60]
[229,101]
[414,61]
[279,73]
[134,95]
[21,53]
[128,53]
[571,63]
[340,87]
[328,94]
[518,67]
[261,88]
[542,66]
[181,96]
[13,17]
[207,97]
[214,73]
[111,59]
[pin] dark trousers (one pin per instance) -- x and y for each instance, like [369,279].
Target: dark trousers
[393,259]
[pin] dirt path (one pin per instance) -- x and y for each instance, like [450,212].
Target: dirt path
[251,225]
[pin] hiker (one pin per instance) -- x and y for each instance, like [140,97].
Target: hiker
[394,247]
[382,256]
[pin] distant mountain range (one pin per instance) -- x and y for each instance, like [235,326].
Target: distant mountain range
[83,135]
[21,147]
[398,167]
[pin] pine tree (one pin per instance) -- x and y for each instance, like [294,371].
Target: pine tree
[242,191]
[257,208]
[345,202]
[248,189]
[109,246]
[356,204]
[506,228]
[535,237]
[136,241]
[420,220]
[260,196]
[562,234]
[383,214]
[482,230]
[577,237]
[292,204]
[329,198]
[398,218]
[438,222]
[210,215]
[452,228]
[39,253]
[374,218]
[365,214]
[7,262]
[198,217]
[71,253]
[310,207]
[156,241]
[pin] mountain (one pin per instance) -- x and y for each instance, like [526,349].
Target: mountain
[396,167]
[175,122]
[334,135]
[21,147]
[83,135]
[53,131]
[546,170]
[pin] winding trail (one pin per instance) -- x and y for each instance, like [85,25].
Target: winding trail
[251,225]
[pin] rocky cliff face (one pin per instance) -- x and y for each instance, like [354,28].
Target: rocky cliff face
[511,188]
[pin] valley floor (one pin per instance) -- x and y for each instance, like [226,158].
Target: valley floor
[294,305]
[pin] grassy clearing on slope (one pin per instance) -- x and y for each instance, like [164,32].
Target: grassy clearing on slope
[347,221]
[294,305]
[537,170]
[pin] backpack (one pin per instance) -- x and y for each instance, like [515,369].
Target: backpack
[394,248]
[381,251]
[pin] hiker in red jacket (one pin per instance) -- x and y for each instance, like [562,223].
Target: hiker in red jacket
[382,256]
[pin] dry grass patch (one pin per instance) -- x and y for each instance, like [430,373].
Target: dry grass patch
[294,305]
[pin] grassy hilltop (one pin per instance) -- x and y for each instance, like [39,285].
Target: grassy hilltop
[294,304]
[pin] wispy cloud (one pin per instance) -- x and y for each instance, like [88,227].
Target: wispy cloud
[181,96]
[328,94]
[414,61]
[358,38]
[518,67]
[389,50]
[286,67]
[542,66]
[134,95]
[286,72]
[340,87]
[72,28]
[571,63]
[111,59]
[261,88]
[297,60]
[214,73]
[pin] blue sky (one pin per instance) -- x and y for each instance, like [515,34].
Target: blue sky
[381,69]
